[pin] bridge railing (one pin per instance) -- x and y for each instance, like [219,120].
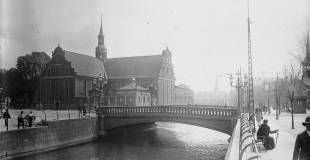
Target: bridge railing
[168,110]
[247,146]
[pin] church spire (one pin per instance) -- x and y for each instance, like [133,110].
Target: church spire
[100,35]
[101,51]
[100,32]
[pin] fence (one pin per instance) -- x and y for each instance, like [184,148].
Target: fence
[42,117]
[247,140]
[168,110]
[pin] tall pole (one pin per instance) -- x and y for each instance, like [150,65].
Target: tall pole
[277,98]
[238,91]
[250,70]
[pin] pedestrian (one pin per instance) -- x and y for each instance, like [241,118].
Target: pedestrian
[30,119]
[263,135]
[6,116]
[84,108]
[259,115]
[20,119]
[302,143]
[252,122]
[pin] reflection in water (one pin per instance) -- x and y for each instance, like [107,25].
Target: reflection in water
[160,141]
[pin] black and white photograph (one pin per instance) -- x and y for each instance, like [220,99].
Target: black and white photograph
[154,79]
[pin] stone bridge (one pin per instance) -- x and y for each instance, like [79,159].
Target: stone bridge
[218,118]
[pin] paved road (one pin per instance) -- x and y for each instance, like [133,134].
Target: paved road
[51,115]
[286,140]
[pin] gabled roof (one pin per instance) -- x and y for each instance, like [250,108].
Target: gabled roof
[85,65]
[132,86]
[133,67]
[183,86]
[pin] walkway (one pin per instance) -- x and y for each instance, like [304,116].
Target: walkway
[286,140]
[51,115]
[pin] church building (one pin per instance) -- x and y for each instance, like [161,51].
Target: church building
[70,77]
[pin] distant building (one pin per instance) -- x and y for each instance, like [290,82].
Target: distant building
[303,90]
[183,95]
[152,72]
[131,95]
[3,84]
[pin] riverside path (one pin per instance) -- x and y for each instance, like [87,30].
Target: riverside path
[286,139]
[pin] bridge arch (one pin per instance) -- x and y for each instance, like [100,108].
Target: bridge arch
[219,119]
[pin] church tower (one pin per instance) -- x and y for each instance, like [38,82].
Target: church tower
[101,51]
[306,62]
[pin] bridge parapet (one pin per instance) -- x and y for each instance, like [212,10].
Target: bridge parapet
[193,111]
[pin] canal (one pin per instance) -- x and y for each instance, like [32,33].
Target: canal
[159,141]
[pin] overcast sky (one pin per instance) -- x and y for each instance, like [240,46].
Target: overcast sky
[207,38]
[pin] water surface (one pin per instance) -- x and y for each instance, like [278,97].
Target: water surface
[160,141]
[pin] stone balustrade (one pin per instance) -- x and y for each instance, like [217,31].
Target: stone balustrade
[205,111]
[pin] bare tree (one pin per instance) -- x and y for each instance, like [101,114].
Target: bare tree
[293,85]
[300,59]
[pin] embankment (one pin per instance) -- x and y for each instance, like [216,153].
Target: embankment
[58,134]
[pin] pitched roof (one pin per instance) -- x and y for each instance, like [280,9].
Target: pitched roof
[133,67]
[183,86]
[85,65]
[132,86]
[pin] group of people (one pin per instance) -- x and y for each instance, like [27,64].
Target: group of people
[25,121]
[302,143]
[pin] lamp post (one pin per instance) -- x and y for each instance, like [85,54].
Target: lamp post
[238,85]
[100,80]
[151,87]
[104,87]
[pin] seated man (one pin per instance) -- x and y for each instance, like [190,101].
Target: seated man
[263,135]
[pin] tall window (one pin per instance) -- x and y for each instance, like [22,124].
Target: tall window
[84,88]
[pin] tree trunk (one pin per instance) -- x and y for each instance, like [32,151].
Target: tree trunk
[292,113]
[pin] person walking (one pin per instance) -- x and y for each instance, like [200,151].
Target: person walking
[6,116]
[302,143]
[259,115]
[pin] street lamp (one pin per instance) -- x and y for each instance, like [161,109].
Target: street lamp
[238,85]
[267,89]
[151,87]
[100,80]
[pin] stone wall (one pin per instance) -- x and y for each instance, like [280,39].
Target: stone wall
[57,134]
[233,148]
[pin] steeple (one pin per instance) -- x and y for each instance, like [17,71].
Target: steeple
[101,51]
[100,35]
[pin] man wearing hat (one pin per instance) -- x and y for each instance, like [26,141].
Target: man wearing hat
[302,143]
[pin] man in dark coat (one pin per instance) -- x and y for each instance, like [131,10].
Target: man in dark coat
[6,116]
[302,143]
[263,135]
